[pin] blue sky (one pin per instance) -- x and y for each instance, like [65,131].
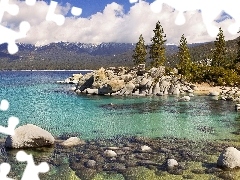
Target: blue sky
[118,21]
[91,7]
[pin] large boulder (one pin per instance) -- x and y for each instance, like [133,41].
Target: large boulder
[29,136]
[229,158]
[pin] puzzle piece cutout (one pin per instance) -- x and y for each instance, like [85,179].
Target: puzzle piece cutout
[209,10]
[31,171]
[76,11]
[12,123]
[6,7]
[51,16]
[7,35]
[4,170]
[4,105]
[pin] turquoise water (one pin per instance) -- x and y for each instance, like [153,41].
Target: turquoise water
[36,98]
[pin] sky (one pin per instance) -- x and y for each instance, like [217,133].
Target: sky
[112,21]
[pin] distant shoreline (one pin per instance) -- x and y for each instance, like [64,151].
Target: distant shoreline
[50,70]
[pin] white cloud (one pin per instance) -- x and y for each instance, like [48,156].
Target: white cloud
[111,25]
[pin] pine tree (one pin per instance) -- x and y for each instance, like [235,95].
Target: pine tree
[140,52]
[157,49]
[236,62]
[219,53]
[184,57]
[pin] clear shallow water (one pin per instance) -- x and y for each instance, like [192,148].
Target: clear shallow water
[35,98]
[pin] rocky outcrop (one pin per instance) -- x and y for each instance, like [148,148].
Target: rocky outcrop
[136,81]
[29,136]
[229,158]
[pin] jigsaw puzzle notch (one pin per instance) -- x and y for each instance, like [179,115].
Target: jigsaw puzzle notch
[4,170]
[51,16]
[31,169]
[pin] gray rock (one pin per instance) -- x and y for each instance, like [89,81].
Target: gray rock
[29,135]
[91,91]
[110,153]
[176,91]
[91,163]
[184,98]
[156,88]
[229,158]
[214,93]
[145,148]
[171,163]
[72,141]
[160,94]
[191,95]
[237,107]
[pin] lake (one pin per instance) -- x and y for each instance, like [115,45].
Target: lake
[191,132]
[36,98]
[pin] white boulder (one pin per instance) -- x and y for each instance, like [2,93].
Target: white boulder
[28,136]
[229,158]
[171,163]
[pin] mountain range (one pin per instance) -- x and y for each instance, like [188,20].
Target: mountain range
[65,55]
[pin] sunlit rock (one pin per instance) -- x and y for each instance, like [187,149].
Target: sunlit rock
[116,84]
[110,153]
[237,107]
[229,158]
[214,93]
[91,91]
[171,163]
[72,141]
[29,135]
[184,98]
[145,148]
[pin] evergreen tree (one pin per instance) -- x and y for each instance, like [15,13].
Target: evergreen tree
[236,62]
[185,63]
[140,52]
[219,53]
[157,49]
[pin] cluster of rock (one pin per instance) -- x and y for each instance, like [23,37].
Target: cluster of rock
[136,81]
[230,94]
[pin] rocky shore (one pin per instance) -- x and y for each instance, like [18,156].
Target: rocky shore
[130,158]
[137,158]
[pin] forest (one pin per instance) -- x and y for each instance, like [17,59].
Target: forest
[217,63]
